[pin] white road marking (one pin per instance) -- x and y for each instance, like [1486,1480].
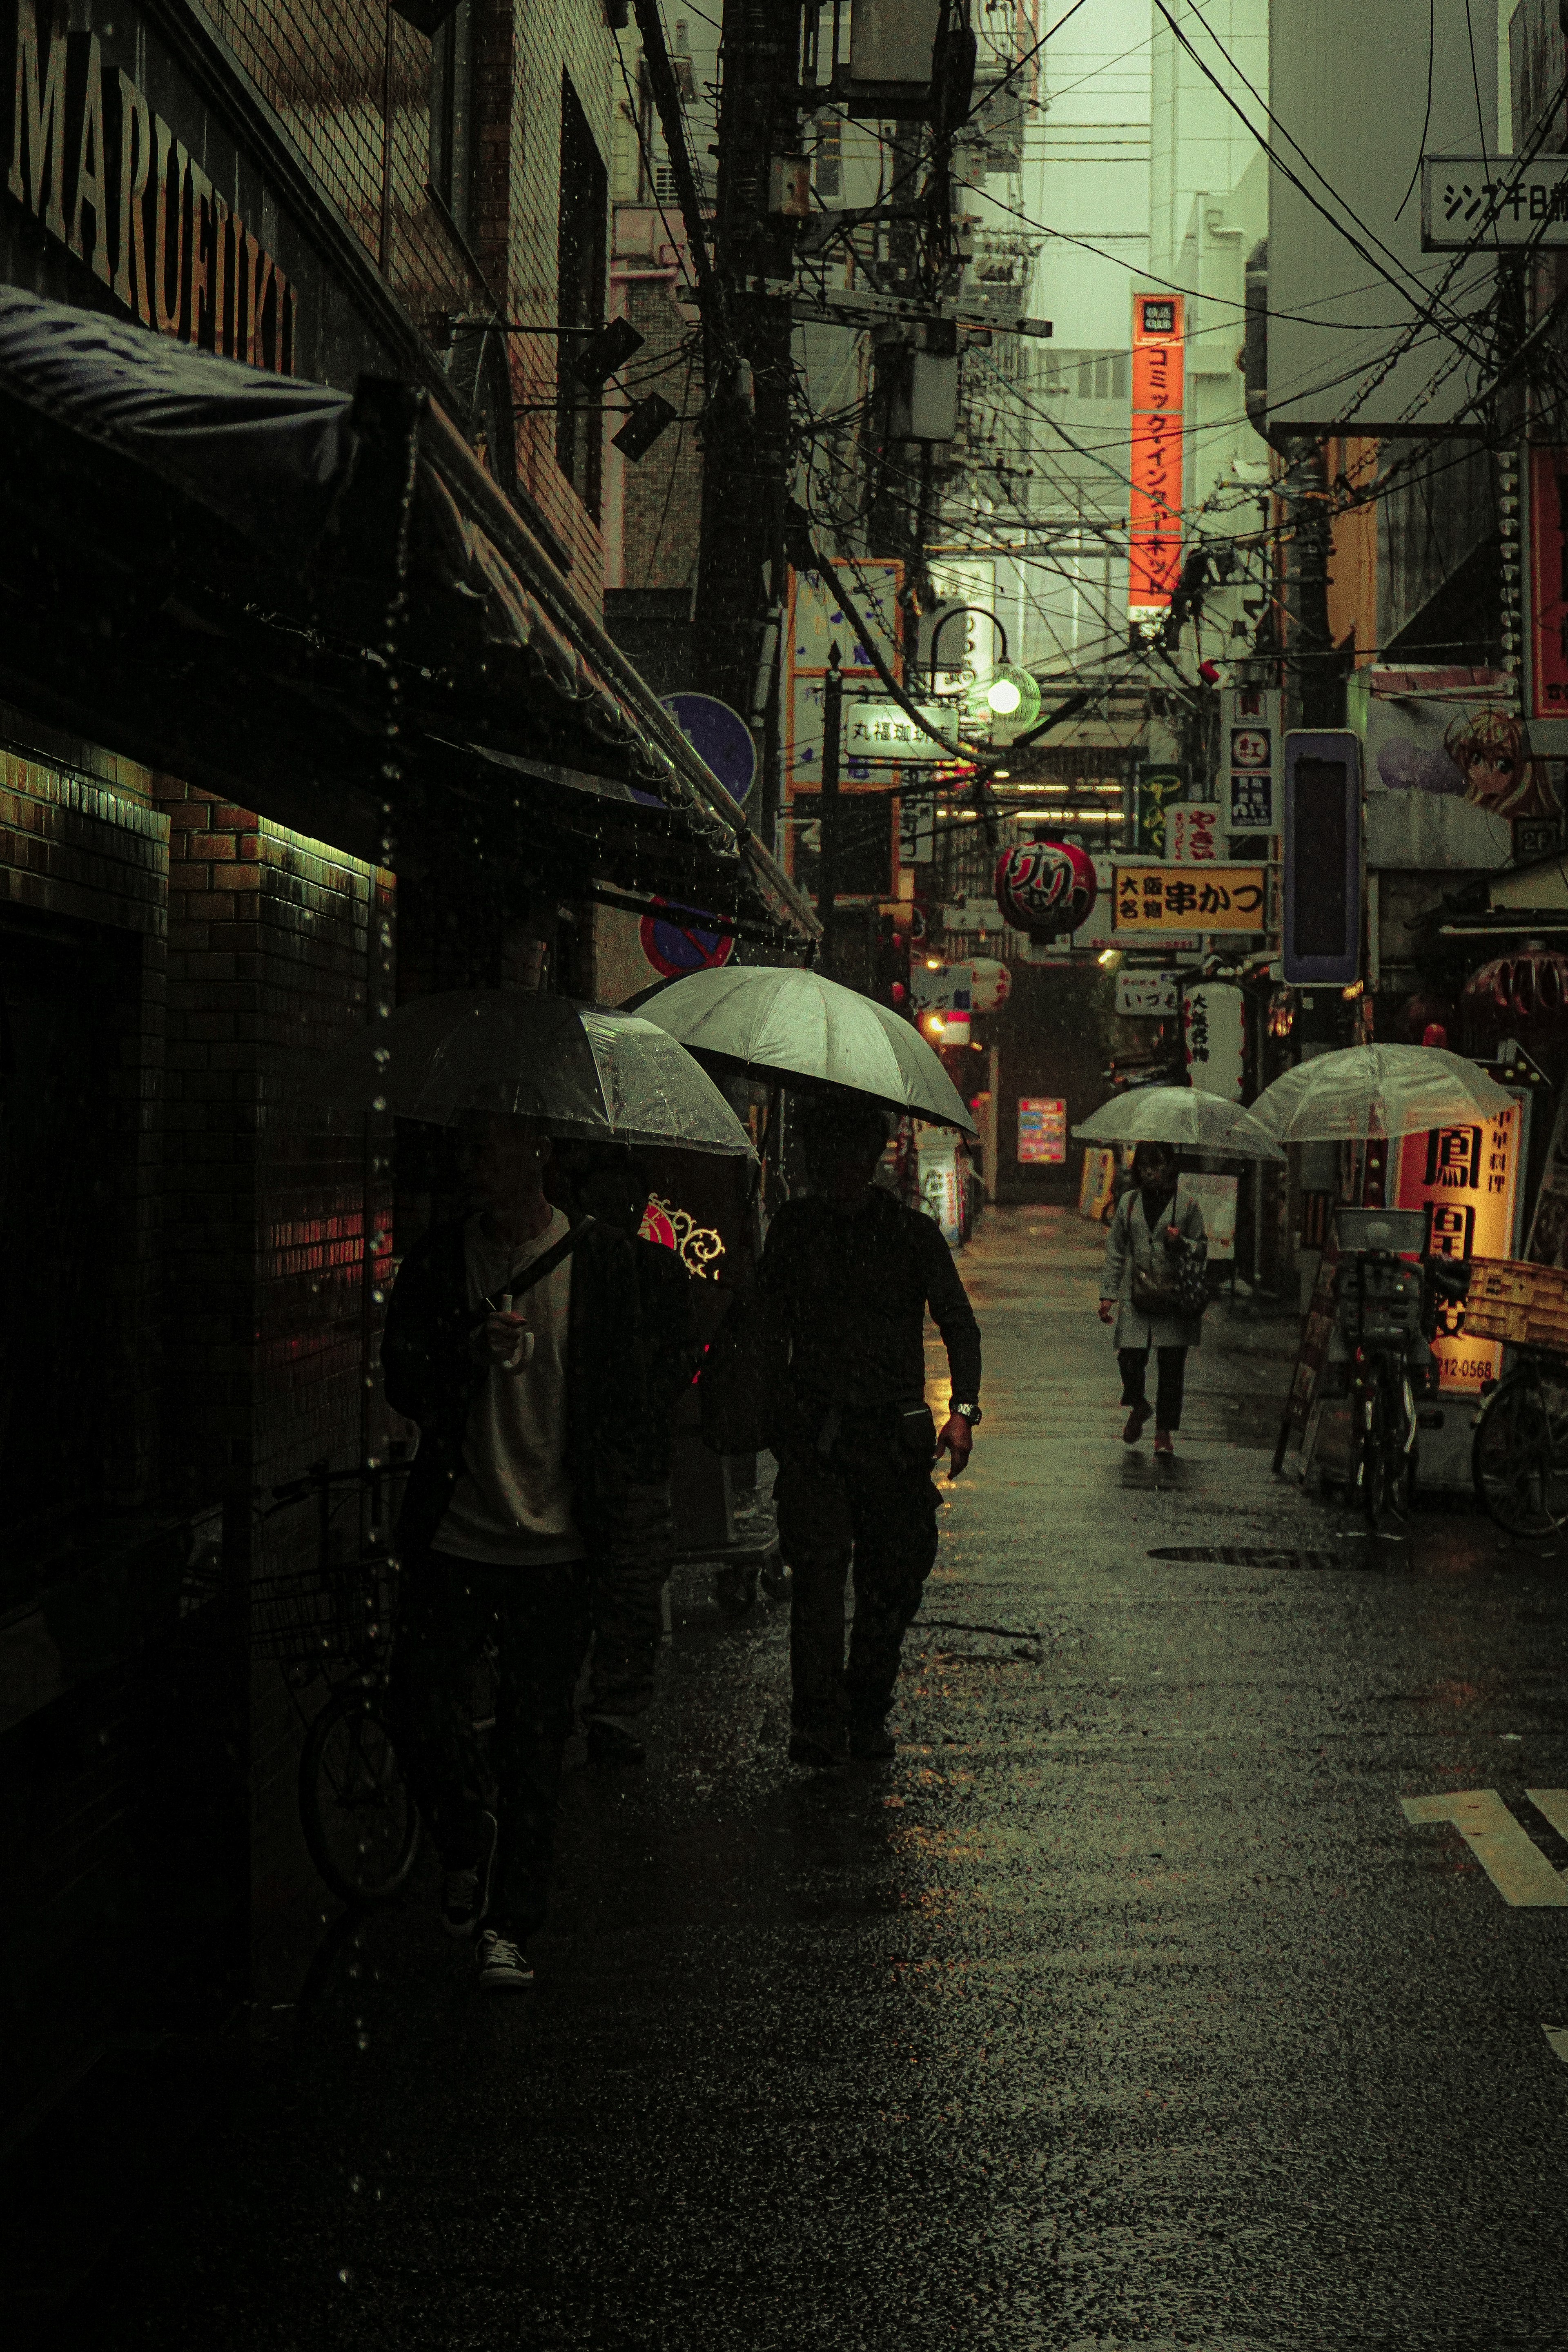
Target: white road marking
[1553,1803]
[1558,2037]
[1508,1853]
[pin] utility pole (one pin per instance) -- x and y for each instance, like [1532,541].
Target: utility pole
[828,868]
[746,430]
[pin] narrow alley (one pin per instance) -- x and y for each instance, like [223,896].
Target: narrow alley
[1125,2007]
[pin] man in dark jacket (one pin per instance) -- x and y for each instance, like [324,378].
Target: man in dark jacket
[851,1271]
[610,1182]
[514,1341]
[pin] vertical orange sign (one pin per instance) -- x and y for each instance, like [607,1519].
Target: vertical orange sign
[1470,1178]
[1159,367]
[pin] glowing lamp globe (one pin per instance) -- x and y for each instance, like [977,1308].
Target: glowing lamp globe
[1045,887]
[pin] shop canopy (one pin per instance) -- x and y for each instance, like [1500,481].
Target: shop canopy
[322,605]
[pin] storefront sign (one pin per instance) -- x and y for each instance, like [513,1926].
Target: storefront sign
[1148,994]
[1250,744]
[1097,1185]
[699,1247]
[942,1174]
[1192,836]
[1045,887]
[113,182]
[1213,1030]
[1042,1130]
[1155,790]
[1216,1196]
[1149,898]
[917,827]
[1159,364]
[818,622]
[1469,1176]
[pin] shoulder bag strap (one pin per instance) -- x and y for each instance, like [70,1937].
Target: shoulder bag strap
[537,1272]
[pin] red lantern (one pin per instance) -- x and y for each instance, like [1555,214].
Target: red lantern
[1045,887]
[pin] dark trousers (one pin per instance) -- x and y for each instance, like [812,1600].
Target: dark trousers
[539,1619]
[628,1611]
[1167,1394]
[875,1506]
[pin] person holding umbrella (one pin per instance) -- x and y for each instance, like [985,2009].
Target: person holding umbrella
[1139,1291]
[849,1272]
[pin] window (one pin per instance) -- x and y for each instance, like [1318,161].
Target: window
[580,279]
[1102,377]
[452,142]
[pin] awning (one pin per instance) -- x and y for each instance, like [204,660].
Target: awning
[318,601]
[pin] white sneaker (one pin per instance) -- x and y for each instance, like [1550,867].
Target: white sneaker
[503,1965]
[465,1893]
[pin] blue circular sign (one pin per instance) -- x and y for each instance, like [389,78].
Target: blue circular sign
[719,736]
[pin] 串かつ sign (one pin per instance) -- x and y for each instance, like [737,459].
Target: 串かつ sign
[1178,898]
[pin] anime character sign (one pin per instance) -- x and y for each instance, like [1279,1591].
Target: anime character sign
[1491,753]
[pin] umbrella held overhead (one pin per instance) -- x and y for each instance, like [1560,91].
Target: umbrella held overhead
[803,1029]
[1183,1115]
[580,1070]
[1367,1093]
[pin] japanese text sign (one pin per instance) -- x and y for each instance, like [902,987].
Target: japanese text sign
[818,622]
[1469,200]
[1174,898]
[1250,751]
[1470,1176]
[1042,1129]
[1213,1033]
[1155,791]
[1191,835]
[1159,367]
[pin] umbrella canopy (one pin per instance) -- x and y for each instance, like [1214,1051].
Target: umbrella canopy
[1369,1092]
[581,1070]
[797,1025]
[1183,1115]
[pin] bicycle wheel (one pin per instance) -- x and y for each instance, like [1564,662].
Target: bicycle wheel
[1372,1479]
[360,1824]
[1519,1460]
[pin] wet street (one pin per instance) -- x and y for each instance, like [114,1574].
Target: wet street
[1128,2006]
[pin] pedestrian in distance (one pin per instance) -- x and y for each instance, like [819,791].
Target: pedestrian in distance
[1138,1289]
[848,1272]
[610,1182]
[513,1340]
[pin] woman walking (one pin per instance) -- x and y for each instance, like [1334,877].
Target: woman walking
[1143,1251]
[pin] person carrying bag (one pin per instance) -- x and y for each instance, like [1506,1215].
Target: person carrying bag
[1155,1287]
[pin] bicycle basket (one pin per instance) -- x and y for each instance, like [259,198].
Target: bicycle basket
[303,1616]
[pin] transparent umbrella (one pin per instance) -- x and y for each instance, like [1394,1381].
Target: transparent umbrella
[581,1070]
[1183,1115]
[797,1025]
[1369,1092]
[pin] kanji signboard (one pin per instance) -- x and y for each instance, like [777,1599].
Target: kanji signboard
[1250,748]
[1155,790]
[1191,835]
[1182,899]
[1470,1176]
[1159,368]
[1492,200]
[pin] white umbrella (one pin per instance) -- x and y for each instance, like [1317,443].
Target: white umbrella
[1183,1115]
[1369,1092]
[581,1070]
[794,1024]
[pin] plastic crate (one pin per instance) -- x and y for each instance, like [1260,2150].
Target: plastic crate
[1511,1300]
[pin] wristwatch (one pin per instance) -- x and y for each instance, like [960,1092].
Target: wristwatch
[968,1412]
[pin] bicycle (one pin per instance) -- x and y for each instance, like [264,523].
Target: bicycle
[1519,1456]
[1383,1305]
[361,1825]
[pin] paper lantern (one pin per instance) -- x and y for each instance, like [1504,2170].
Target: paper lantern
[990,984]
[1045,887]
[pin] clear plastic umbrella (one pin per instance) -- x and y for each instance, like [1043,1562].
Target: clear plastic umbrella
[797,1025]
[1183,1115]
[581,1070]
[1369,1092]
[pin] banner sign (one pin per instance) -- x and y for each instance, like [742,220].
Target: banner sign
[1154,790]
[1493,201]
[1042,1129]
[1250,745]
[1470,1176]
[1192,836]
[1159,367]
[1212,1037]
[1150,898]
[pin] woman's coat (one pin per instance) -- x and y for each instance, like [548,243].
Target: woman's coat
[1130,1245]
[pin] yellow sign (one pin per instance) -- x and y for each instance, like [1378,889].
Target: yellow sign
[1189,898]
[1096,1186]
[1469,1176]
